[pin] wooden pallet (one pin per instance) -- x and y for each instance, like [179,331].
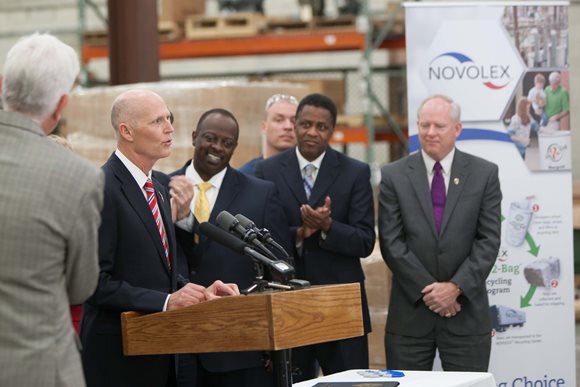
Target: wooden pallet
[96,38]
[234,25]
[340,22]
[281,25]
[168,31]
[284,24]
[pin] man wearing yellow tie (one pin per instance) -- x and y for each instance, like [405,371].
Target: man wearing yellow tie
[218,187]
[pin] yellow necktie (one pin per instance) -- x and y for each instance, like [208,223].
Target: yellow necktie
[201,203]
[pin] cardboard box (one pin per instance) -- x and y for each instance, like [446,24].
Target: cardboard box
[177,10]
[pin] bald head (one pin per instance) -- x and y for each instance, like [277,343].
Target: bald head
[142,123]
[131,105]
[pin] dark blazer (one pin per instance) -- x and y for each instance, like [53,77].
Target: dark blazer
[352,236]
[133,276]
[464,252]
[210,261]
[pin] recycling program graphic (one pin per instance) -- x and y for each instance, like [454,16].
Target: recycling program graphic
[487,57]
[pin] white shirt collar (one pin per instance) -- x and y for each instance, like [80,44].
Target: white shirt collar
[216,180]
[138,175]
[445,163]
[302,162]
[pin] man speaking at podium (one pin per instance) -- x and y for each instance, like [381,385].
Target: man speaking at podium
[137,256]
[219,187]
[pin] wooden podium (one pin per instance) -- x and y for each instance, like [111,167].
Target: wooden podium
[268,321]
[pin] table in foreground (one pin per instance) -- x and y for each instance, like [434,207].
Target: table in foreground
[413,379]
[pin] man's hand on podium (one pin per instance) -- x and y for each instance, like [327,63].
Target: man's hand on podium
[219,289]
[191,294]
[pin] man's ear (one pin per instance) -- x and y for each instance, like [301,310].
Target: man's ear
[57,114]
[51,121]
[193,137]
[263,127]
[125,132]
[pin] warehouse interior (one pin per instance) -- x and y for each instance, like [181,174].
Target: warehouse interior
[211,53]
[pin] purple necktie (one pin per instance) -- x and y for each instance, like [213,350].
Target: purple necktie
[438,195]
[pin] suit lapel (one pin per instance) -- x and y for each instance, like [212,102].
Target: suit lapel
[291,175]
[418,177]
[457,180]
[329,170]
[138,202]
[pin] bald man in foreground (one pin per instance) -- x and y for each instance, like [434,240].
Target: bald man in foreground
[138,262]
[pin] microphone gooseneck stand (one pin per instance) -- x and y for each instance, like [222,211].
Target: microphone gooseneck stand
[279,269]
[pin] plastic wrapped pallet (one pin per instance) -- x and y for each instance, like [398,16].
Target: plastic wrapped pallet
[86,120]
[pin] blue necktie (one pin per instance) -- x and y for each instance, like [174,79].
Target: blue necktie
[438,195]
[308,179]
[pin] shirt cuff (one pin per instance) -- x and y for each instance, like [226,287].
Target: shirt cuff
[166,302]
[186,223]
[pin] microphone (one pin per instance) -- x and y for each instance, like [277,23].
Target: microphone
[262,234]
[279,269]
[229,223]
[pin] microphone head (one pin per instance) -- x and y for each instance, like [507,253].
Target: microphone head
[226,221]
[222,237]
[245,222]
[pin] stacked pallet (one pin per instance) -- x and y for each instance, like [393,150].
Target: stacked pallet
[227,26]
[180,18]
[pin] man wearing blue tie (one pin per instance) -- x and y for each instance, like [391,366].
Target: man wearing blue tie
[439,230]
[328,200]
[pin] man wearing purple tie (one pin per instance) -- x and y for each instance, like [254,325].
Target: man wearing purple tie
[439,230]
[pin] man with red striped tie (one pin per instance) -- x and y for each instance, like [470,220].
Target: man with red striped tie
[139,267]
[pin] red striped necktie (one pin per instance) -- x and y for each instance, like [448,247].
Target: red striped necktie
[152,201]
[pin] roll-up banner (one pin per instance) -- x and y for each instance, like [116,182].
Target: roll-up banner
[506,64]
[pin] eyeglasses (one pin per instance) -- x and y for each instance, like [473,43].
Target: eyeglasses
[280,97]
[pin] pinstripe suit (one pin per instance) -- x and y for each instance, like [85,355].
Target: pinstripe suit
[50,204]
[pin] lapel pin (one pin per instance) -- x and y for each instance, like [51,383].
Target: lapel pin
[456,181]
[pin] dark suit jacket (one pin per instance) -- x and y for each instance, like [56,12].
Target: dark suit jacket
[210,261]
[464,252]
[133,276]
[352,236]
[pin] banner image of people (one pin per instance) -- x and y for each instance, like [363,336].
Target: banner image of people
[538,119]
[507,67]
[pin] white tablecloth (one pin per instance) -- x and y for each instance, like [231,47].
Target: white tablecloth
[414,379]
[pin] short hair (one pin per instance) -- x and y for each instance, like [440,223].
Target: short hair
[280,98]
[38,71]
[455,108]
[539,78]
[320,101]
[221,112]
[554,76]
